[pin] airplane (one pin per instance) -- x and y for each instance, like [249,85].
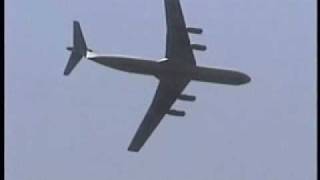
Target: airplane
[174,72]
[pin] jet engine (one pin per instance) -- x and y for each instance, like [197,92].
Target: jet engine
[194,30]
[185,97]
[69,48]
[199,47]
[176,112]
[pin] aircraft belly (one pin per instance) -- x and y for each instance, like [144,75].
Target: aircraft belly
[128,64]
[175,71]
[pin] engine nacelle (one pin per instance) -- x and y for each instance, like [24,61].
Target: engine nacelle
[194,30]
[69,48]
[176,112]
[185,97]
[199,47]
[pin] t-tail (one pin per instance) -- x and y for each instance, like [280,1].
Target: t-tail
[79,49]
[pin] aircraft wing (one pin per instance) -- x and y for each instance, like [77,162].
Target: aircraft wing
[178,46]
[166,94]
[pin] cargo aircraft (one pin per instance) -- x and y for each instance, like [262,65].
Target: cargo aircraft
[174,71]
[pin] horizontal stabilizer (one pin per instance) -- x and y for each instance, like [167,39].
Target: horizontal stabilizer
[79,49]
[73,61]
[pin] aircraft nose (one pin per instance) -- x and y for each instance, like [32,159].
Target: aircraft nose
[246,79]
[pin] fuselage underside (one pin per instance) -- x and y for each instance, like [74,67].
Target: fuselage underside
[172,69]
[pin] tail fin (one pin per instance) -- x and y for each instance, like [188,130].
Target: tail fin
[79,49]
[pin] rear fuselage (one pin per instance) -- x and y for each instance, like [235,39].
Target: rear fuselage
[171,69]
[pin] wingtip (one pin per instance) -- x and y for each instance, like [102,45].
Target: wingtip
[132,149]
[66,72]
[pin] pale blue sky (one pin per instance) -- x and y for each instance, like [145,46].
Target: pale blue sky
[79,127]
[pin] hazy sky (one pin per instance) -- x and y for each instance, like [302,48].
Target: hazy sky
[79,127]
